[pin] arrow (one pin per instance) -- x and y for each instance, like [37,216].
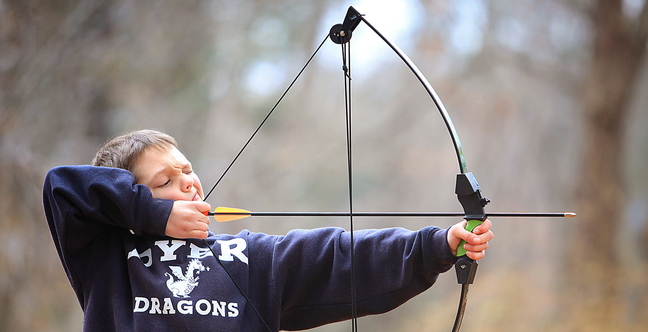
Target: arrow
[223,214]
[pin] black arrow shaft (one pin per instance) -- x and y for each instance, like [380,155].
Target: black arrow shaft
[395,214]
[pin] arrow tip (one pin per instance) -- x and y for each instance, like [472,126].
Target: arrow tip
[570,214]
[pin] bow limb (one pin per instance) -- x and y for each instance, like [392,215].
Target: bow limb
[467,189]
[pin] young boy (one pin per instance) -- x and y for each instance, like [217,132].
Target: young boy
[135,244]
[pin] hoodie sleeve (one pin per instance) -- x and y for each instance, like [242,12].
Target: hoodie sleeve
[312,272]
[87,206]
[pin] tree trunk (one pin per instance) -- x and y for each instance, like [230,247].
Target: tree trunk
[618,49]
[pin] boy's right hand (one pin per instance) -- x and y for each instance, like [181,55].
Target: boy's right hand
[188,220]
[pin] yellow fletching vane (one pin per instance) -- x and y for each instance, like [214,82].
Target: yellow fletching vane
[223,214]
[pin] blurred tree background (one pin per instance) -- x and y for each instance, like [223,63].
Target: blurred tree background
[549,98]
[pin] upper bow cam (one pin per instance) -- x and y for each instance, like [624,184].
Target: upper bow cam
[341,33]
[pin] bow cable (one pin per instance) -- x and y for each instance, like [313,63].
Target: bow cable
[346,71]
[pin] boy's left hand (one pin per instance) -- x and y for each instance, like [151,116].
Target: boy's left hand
[476,242]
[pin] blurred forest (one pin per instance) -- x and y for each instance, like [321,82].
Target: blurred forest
[549,98]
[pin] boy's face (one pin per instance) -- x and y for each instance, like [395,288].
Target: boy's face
[168,173]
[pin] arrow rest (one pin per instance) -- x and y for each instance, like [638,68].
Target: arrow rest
[469,195]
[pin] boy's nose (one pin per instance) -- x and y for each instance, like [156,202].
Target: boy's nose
[188,184]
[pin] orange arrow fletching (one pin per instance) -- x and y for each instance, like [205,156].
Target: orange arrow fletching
[223,214]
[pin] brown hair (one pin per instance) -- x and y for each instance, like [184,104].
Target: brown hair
[123,151]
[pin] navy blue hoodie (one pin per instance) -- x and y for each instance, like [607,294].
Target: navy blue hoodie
[129,276]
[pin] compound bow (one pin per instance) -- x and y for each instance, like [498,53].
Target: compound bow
[466,187]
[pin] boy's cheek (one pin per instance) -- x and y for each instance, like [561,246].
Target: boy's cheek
[162,194]
[155,193]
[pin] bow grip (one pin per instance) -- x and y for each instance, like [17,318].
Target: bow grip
[470,226]
[465,267]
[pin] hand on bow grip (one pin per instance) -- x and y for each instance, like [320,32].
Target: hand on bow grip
[470,238]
